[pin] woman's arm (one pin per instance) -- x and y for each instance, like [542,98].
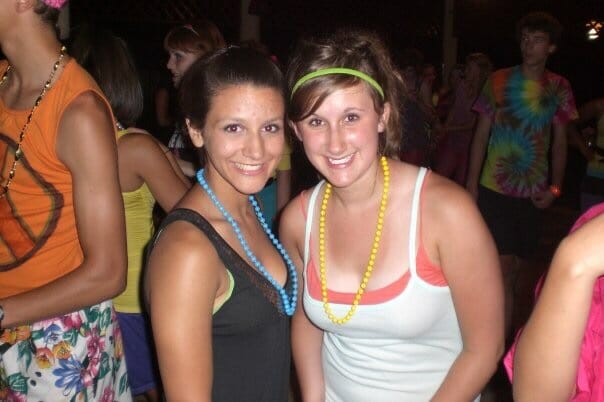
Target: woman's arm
[471,266]
[181,284]
[547,355]
[307,340]
[142,159]
[86,145]
[174,164]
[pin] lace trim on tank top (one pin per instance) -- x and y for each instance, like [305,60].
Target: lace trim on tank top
[237,266]
[426,270]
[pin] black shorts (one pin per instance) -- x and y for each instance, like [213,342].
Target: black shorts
[515,223]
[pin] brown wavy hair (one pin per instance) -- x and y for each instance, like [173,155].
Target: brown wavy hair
[220,69]
[356,49]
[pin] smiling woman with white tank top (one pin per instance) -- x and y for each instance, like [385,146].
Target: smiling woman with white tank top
[402,297]
[366,360]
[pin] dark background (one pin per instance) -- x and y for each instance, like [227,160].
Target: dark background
[480,25]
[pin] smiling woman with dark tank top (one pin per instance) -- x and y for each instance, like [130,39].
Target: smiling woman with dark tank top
[220,286]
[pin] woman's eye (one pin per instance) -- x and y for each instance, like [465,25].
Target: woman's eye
[315,122]
[232,128]
[351,117]
[272,128]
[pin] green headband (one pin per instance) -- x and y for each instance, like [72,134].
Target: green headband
[338,70]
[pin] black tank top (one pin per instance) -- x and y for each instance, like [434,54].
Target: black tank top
[250,332]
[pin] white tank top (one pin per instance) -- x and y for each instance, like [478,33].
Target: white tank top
[399,350]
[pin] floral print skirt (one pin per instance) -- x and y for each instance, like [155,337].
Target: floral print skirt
[75,357]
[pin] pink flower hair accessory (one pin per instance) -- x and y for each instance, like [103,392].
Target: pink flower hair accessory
[54,3]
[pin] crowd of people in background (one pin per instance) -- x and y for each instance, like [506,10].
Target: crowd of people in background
[392,278]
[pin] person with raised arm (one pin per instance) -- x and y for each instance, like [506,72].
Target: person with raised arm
[558,356]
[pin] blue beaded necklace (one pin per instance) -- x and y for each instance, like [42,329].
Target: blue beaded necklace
[289,301]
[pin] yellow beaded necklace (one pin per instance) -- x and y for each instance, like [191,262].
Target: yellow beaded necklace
[372,256]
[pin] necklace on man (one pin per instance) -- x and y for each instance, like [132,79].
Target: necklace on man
[19,149]
[288,301]
[372,255]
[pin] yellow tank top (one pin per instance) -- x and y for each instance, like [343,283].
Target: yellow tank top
[138,205]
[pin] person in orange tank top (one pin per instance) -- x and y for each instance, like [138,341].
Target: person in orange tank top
[62,236]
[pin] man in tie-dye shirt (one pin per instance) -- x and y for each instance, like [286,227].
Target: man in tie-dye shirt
[523,110]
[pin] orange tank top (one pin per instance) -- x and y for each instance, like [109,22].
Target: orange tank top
[38,236]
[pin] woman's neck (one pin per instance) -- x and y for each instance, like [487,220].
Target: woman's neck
[236,203]
[364,191]
[31,60]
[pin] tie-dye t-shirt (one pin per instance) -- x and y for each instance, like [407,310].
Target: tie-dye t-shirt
[522,113]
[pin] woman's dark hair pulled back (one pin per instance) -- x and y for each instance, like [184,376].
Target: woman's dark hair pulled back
[220,69]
